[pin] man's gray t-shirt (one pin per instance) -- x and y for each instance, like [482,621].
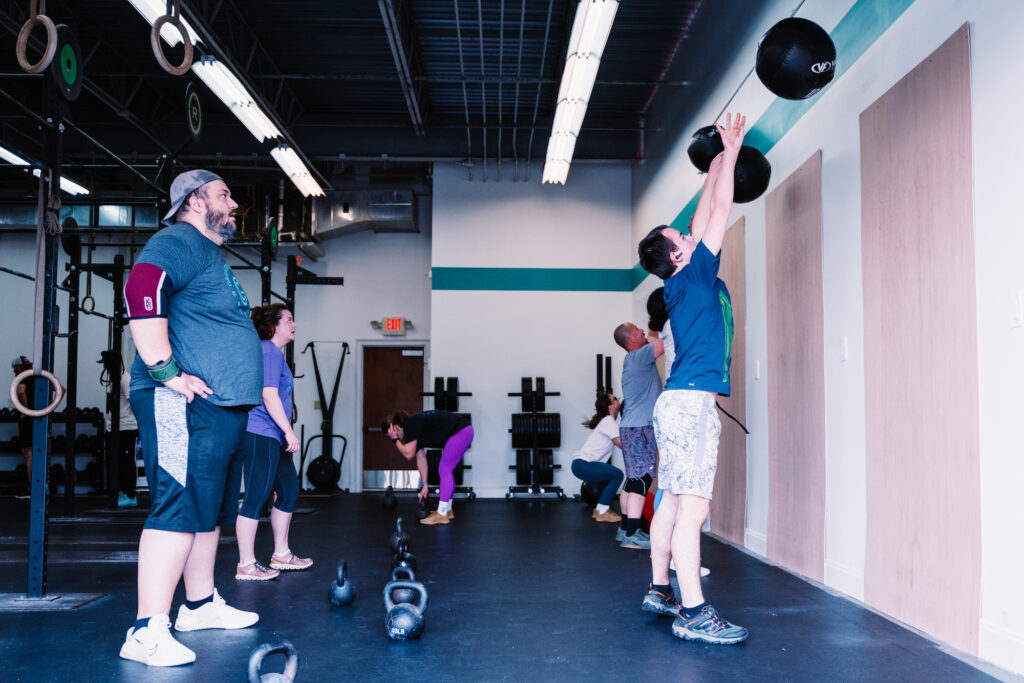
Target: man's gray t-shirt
[641,386]
[211,334]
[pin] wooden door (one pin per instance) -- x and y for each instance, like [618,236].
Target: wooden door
[392,380]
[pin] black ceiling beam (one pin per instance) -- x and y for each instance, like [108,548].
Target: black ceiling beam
[403,49]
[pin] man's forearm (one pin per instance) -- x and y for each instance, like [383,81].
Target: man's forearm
[151,340]
[421,464]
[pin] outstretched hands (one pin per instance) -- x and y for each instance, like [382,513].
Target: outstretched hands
[732,132]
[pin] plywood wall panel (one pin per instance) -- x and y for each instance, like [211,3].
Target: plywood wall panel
[923,550]
[796,373]
[729,498]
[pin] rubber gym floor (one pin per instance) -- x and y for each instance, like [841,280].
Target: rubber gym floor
[518,591]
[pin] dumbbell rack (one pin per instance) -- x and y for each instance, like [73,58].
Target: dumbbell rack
[90,445]
[446,397]
[535,435]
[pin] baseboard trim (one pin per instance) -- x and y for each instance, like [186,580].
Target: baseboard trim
[755,542]
[845,579]
[1001,646]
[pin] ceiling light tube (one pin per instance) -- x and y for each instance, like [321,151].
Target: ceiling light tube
[590,29]
[556,172]
[66,184]
[12,158]
[151,10]
[296,171]
[226,86]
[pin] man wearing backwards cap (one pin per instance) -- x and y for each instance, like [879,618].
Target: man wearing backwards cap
[198,371]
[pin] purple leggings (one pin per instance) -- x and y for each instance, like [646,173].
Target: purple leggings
[454,448]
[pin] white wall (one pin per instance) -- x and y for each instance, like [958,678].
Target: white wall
[832,125]
[490,339]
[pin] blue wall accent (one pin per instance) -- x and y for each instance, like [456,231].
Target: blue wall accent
[535,279]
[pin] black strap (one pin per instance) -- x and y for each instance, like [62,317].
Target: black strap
[732,417]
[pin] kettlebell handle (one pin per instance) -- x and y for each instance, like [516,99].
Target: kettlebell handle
[421,606]
[402,569]
[291,666]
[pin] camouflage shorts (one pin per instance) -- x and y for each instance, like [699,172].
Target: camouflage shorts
[687,428]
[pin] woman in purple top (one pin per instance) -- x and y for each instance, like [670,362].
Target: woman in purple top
[268,466]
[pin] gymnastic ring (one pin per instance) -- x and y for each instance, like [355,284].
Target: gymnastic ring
[158,51]
[92,305]
[51,44]
[57,388]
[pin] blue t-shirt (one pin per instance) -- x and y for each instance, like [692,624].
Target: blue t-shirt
[275,374]
[641,386]
[208,321]
[700,313]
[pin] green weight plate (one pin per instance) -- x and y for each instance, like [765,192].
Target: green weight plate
[66,67]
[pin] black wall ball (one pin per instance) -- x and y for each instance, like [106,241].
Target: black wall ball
[705,145]
[753,173]
[796,58]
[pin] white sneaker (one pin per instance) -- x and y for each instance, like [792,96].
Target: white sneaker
[154,645]
[215,614]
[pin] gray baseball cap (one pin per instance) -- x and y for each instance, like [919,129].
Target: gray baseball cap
[185,184]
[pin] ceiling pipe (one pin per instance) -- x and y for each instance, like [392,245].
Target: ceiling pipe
[405,78]
[515,109]
[483,80]
[501,62]
[465,97]
[536,102]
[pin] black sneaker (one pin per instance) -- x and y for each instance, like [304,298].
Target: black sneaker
[708,627]
[659,603]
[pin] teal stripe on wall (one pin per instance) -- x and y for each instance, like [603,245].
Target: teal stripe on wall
[853,35]
[535,279]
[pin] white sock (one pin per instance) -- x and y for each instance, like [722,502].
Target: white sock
[443,507]
[601,509]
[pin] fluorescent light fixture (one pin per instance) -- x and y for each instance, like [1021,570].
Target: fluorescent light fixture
[151,10]
[66,184]
[12,158]
[293,167]
[590,30]
[219,79]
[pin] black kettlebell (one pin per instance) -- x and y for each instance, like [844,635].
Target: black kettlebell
[404,558]
[399,539]
[342,591]
[390,501]
[404,621]
[291,665]
[422,512]
[399,594]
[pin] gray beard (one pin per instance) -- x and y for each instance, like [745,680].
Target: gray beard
[221,225]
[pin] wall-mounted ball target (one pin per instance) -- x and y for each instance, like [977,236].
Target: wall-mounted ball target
[66,67]
[796,58]
[194,112]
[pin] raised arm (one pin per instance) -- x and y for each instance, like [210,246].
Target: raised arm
[699,222]
[722,194]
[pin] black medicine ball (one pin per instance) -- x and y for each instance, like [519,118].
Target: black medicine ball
[796,58]
[705,145]
[753,173]
[591,491]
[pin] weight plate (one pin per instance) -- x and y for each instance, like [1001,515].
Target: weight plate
[194,116]
[66,67]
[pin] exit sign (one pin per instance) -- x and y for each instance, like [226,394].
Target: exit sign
[394,327]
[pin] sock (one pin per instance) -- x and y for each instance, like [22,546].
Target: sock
[443,507]
[601,509]
[691,611]
[632,525]
[196,604]
[140,623]
[622,524]
[663,589]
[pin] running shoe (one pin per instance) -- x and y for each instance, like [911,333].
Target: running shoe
[708,627]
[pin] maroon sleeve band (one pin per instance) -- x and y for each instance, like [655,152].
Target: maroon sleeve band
[145,292]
